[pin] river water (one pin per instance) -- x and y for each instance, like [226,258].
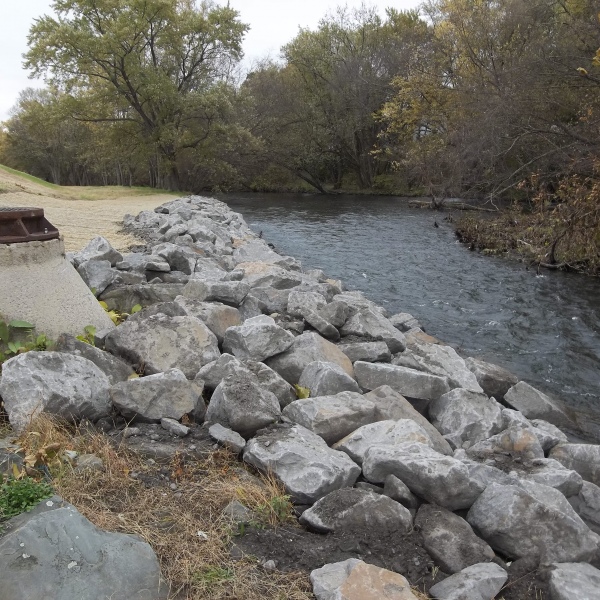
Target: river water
[544,327]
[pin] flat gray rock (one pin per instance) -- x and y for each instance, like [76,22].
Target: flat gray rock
[331,417]
[462,415]
[160,343]
[437,478]
[408,382]
[240,404]
[163,395]
[570,581]
[228,292]
[478,582]
[302,461]
[373,326]
[450,540]
[125,297]
[215,371]
[272,382]
[366,351]
[516,441]
[536,405]
[392,405]
[299,303]
[98,248]
[352,509]
[583,458]
[97,274]
[217,316]
[326,379]
[307,348]
[550,472]
[227,437]
[324,327]
[520,522]
[256,339]
[587,505]
[114,368]
[494,380]
[60,384]
[397,490]
[382,433]
[54,551]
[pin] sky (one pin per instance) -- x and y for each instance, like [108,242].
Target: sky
[273,23]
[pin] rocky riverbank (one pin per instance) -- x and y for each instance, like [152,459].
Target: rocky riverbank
[410,467]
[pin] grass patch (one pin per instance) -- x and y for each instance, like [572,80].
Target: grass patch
[185,527]
[29,177]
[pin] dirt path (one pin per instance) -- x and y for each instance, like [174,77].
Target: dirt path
[81,213]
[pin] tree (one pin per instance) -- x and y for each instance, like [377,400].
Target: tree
[144,62]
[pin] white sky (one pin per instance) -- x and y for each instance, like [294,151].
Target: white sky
[273,23]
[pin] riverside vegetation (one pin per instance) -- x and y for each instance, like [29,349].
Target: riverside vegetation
[373,456]
[495,101]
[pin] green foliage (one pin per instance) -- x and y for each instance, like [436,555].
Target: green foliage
[11,343]
[278,510]
[88,336]
[212,575]
[301,392]
[21,495]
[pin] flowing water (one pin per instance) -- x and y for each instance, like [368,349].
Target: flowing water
[544,327]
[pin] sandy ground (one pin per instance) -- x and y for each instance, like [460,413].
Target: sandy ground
[81,213]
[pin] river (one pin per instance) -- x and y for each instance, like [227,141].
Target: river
[544,327]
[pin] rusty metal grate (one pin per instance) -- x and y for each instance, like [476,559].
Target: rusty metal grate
[25,224]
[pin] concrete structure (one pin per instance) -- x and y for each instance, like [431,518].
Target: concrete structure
[38,284]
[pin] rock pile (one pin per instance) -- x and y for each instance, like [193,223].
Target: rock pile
[398,430]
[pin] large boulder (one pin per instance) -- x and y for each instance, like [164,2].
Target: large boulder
[352,509]
[583,458]
[125,297]
[300,303]
[272,382]
[523,522]
[494,380]
[465,416]
[450,540]
[366,351]
[114,368]
[550,472]
[61,384]
[302,461]
[256,339]
[392,405]
[373,326]
[408,382]
[354,579]
[215,371]
[570,581]
[536,405]
[160,343]
[382,433]
[477,582]
[55,552]
[228,292]
[326,379]
[217,316]
[437,478]
[98,248]
[445,362]
[97,274]
[240,404]
[167,395]
[261,274]
[307,348]
[587,505]
[517,441]
[331,417]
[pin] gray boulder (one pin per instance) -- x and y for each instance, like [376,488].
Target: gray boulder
[450,540]
[366,351]
[114,368]
[516,441]
[374,326]
[125,297]
[404,322]
[352,509]
[382,433]
[536,405]
[354,579]
[218,317]
[437,478]
[548,435]
[97,274]
[54,551]
[550,472]
[462,415]
[98,249]
[271,381]
[408,382]
[65,385]
[583,458]
[397,490]
[327,379]
[299,303]
[307,348]
[392,405]
[227,438]
[258,251]
[324,327]
[179,258]
[302,461]
[494,380]
[240,404]
[256,339]
[587,505]
[517,523]
[174,427]
[160,343]
[570,581]
[228,292]
[331,417]
[268,299]
[260,274]
[155,397]
[477,582]
[215,371]
[335,313]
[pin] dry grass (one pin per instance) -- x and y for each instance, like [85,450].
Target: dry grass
[188,533]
